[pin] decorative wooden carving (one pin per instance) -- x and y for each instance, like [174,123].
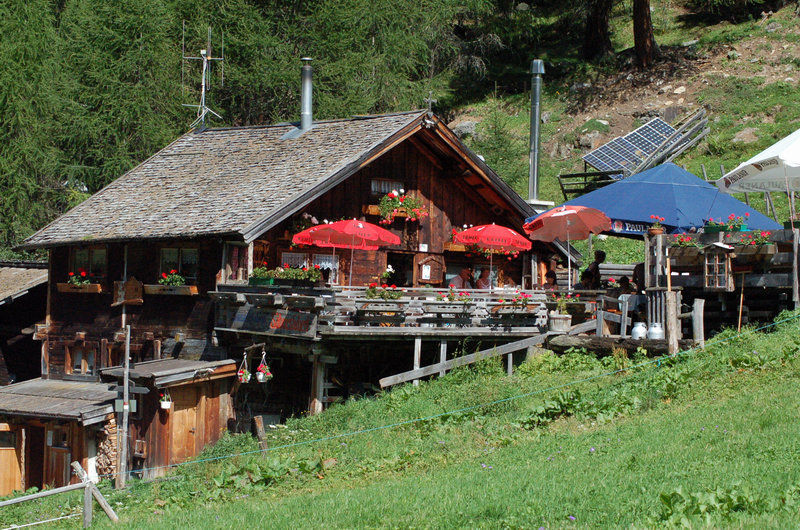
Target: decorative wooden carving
[429,268]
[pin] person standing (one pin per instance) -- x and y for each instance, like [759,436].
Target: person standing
[594,268]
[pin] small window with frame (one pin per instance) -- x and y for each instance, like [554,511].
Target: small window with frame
[294,259]
[57,438]
[8,440]
[381,187]
[184,260]
[91,261]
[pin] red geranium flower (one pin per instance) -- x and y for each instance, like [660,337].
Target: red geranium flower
[163,274]
[373,285]
[394,286]
[72,274]
[83,274]
[173,271]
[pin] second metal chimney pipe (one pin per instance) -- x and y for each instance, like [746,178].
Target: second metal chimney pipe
[306,101]
[537,69]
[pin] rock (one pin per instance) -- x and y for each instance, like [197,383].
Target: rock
[535,351]
[564,151]
[588,140]
[577,87]
[772,27]
[746,136]
[545,117]
[465,128]
[688,43]
[788,68]
[522,6]
[602,122]
[789,80]
[679,90]
[734,54]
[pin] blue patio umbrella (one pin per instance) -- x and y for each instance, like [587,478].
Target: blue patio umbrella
[668,191]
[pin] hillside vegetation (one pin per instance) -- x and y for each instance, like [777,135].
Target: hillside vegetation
[88,89]
[707,437]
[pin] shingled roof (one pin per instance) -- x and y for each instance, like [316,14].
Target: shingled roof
[222,181]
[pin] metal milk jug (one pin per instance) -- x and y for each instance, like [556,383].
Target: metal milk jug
[639,331]
[656,331]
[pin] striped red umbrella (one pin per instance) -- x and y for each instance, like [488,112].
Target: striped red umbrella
[350,233]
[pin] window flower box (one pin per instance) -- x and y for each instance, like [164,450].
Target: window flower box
[182,290]
[454,247]
[79,288]
[767,249]
[374,209]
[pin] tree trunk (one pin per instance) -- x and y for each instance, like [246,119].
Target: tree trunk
[644,41]
[597,40]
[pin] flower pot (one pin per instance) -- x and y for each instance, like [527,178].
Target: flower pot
[260,281]
[85,288]
[655,231]
[742,228]
[290,282]
[166,405]
[260,377]
[559,323]
[714,229]
[183,290]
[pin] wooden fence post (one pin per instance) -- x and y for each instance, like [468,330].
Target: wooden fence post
[698,329]
[93,492]
[417,356]
[672,323]
[87,505]
[442,355]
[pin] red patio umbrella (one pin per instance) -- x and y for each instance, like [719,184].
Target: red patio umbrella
[572,222]
[492,237]
[350,233]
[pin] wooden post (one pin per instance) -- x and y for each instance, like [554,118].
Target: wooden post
[669,270]
[795,286]
[317,381]
[698,330]
[623,323]
[258,427]
[741,303]
[417,356]
[510,361]
[672,322]
[87,506]
[647,262]
[85,482]
[122,468]
[442,355]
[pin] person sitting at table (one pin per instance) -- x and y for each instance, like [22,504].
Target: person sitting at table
[550,281]
[638,277]
[483,282]
[463,280]
[586,281]
[594,268]
[625,286]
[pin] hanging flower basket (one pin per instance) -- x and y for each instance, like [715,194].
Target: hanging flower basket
[263,373]
[244,375]
[166,401]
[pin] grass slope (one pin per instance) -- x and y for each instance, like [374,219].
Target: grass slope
[708,437]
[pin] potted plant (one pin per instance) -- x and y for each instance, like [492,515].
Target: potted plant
[559,320]
[171,283]
[286,275]
[80,282]
[165,401]
[263,373]
[736,223]
[397,205]
[243,374]
[383,291]
[757,242]
[656,228]
[684,249]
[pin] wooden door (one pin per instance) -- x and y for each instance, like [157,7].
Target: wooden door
[183,424]
[10,459]
[59,456]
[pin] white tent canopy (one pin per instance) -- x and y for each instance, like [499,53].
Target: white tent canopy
[776,168]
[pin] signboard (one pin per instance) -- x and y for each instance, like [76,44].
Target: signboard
[118,405]
[128,292]
[281,322]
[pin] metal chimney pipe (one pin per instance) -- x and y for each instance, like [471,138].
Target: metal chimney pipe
[537,69]
[306,116]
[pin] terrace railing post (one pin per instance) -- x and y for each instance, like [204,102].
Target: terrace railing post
[698,330]
[417,356]
[442,355]
[795,286]
[673,324]
[87,505]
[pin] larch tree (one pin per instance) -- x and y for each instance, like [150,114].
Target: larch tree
[597,37]
[644,41]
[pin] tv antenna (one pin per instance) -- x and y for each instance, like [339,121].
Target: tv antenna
[208,59]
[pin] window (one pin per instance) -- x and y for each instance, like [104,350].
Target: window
[57,437]
[384,186]
[81,362]
[183,260]
[294,259]
[330,263]
[236,263]
[92,260]
[8,440]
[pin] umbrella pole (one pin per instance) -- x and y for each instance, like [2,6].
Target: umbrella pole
[334,265]
[350,276]
[789,195]
[569,266]
[491,255]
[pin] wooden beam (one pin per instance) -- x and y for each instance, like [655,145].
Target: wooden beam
[698,331]
[464,360]
[673,322]
[417,356]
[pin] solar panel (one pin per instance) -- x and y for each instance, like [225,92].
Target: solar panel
[625,153]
